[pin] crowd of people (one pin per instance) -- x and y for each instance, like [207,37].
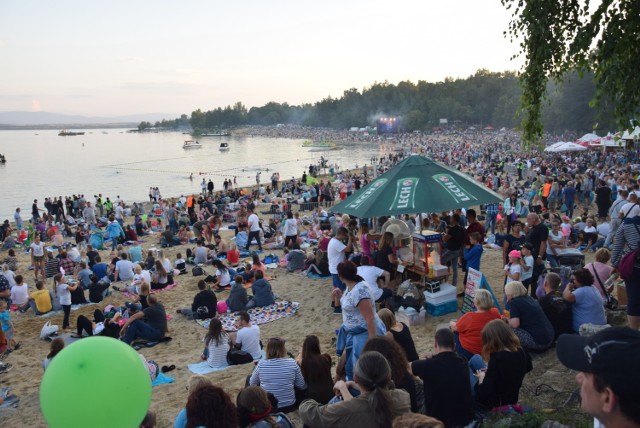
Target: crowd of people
[555,207]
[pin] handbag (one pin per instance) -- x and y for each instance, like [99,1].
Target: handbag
[563,208]
[237,357]
[628,262]
[612,302]
[48,330]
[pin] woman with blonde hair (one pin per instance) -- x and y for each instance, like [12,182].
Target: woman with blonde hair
[399,332]
[526,317]
[499,384]
[468,328]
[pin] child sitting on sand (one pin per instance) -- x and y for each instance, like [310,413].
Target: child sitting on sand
[56,346]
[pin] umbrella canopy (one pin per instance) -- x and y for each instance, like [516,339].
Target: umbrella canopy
[416,185]
[633,135]
[588,138]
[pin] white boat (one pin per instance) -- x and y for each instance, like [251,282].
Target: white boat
[190,144]
[216,134]
[224,147]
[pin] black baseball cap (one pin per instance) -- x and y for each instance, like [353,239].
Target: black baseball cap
[612,354]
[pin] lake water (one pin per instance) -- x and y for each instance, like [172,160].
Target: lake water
[113,162]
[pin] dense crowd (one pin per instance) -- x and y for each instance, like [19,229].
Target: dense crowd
[555,208]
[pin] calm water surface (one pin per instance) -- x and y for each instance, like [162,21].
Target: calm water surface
[113,162]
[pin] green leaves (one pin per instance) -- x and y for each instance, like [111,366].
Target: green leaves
[560,35]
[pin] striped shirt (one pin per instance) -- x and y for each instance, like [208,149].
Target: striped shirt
[279,376]
[627,239]
[218,353]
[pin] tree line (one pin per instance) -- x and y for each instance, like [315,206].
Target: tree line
[485,98]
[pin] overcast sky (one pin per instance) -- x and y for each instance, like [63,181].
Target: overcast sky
[123,57]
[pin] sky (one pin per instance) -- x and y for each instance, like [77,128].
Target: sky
[126,57]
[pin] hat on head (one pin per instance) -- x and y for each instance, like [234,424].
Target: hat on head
[515,254]
[612,354]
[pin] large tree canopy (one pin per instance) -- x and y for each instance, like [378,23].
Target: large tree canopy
[560,35]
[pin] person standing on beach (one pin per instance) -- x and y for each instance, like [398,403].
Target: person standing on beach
[89,214]
[203,187]
[258,178]
[210,187]
[17,219]
[37,256]
[35,211]
[254,229]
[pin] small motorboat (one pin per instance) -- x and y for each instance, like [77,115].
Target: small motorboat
[224,147]
[190,144]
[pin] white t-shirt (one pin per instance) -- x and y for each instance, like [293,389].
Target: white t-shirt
[335,254]
[125,270]
[20,294]
[119,212]
[225,277]
[11,277]
[513,269]
[290,227]
[370,274]
[146,275]
[38,249]
[590,229]
[64,295]
[254,223]
[526,274]
[249,338]
[604,229]
[629,206]
[555,237]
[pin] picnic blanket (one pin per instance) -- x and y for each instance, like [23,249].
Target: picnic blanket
[168,287]
[316,276]
[204,368]
[162,379]
[258,316]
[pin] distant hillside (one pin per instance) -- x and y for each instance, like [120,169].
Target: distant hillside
[29,118]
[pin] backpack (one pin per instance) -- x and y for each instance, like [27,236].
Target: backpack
[197,271]
[629,261]
[238,357]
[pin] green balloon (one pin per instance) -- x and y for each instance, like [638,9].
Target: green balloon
[95,382]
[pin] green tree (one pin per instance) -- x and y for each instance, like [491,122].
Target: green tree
[559,35]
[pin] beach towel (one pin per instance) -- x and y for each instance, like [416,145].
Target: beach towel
[258,316]
[204,368]
[162,379]
[168,287]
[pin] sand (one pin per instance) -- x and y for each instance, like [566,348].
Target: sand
[314,317]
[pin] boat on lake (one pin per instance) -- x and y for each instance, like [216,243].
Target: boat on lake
[224,147]
[319,144]
[67,133]
[190,144]
[216,134]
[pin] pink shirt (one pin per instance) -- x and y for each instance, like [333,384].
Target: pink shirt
[604,272]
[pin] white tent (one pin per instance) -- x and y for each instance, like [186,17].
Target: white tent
[633,135]
[588,138]
[565,147]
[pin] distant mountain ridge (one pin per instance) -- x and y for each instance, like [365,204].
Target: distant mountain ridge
[31,118]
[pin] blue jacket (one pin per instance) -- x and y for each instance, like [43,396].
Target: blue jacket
[262,293]
[114,230]
[473,255]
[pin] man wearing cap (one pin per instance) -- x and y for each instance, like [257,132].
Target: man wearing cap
[608,373]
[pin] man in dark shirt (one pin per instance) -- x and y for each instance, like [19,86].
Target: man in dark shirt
[205,304]
[153,329]
[603,199]
[557,310]
[447,386]
[454,240]
[537,237]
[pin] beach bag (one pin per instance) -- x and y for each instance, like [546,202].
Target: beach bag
[222,307]
[629,260]
[271,258]
[48,330]
[237,357]
[627,263]
[197,271]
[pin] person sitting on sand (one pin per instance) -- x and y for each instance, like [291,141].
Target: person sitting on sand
[204,304]
[222,275]
[159,277]
[56,346]
[39,300]
[100,326]
[153,329]
[376,406]
[221,246]
[216,345]
[238,298]
[248,336]
[233,255]
[256,410]
[262,292]
[317,264]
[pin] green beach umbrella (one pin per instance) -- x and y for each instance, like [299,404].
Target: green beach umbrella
[416,185]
